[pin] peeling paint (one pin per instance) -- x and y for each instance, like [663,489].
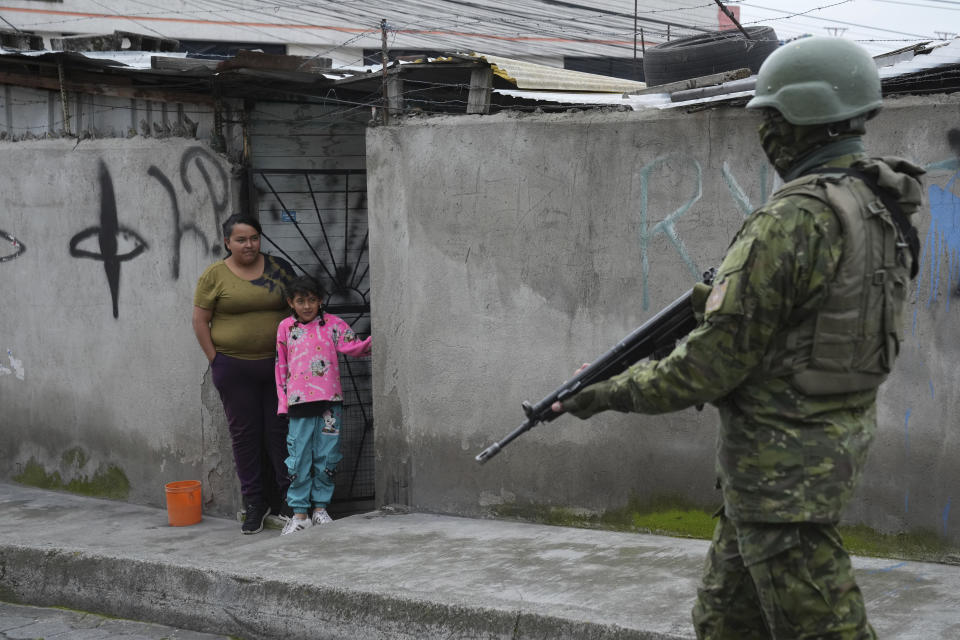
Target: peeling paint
[16,367]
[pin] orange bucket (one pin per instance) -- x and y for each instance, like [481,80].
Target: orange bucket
[183,502]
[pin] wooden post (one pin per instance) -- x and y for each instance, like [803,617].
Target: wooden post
[63,100]
[481,86]
[383,62]
[634,39]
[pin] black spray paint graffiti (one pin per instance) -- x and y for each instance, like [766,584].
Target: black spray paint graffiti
[109,234]
[198,155]
[178,228]
[18,247]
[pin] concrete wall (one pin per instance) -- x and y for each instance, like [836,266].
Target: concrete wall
[103,388]
[506,250]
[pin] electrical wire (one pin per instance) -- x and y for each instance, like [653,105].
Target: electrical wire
[956,6]
[792,14]
[431,19]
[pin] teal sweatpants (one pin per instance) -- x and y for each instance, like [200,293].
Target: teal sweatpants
[313,445]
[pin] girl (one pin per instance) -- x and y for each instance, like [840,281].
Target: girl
[309,392]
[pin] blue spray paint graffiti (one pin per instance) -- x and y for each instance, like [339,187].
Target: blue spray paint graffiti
[739,195]
[667,226]
[943,238]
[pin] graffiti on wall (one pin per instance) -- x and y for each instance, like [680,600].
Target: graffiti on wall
[116,244]
[16,250]
[667,226]
[739,195]
[217,187]
[941,246]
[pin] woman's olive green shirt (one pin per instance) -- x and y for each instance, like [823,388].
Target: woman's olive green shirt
[245,312]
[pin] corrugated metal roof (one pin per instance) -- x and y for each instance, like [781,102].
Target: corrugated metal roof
[526,75]
[934,68]
[937,64]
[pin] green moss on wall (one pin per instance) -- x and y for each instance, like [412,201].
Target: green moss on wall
[675,516]
[926,546]
[8,595]
[668,515]
[35,475]
[75,457]
[108,481]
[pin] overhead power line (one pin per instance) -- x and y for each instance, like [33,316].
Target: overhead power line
[843,22]
[955,7]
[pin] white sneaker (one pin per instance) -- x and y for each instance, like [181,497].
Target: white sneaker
[320,516]
[296,524]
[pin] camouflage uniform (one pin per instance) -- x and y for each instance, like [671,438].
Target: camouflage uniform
[787,461]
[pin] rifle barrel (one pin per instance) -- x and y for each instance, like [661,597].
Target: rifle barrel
[668,325]
[496,447]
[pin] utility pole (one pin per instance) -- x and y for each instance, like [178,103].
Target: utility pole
[634,39]
[945,35]
[733,18]
[383,62]
[64,102]
[835,31]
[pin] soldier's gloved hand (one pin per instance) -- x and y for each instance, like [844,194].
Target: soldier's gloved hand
[557,407]
[588,402]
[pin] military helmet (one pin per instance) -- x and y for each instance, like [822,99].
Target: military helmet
[818,80]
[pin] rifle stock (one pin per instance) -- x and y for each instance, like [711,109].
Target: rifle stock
[661,331]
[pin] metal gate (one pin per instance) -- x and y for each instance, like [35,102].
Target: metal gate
[317,220]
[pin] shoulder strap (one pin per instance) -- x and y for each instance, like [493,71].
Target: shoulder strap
[907,230]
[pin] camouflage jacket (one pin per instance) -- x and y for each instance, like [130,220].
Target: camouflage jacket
[781,456]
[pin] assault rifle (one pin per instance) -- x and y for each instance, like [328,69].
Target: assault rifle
[657,335]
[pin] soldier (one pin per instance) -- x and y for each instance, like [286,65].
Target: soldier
[800,328]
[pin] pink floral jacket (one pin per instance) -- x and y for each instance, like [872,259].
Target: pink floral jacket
[307,367]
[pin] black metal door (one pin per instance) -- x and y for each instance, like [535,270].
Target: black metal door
[317,220]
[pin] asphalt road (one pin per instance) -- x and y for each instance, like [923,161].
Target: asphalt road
[18,622]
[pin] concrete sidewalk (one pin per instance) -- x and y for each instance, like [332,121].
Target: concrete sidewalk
[393,576]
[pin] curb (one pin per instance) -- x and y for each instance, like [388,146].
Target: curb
[218,602]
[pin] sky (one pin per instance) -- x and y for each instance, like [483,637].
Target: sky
[879,25]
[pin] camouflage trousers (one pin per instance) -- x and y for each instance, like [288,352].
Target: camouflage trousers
[779,582]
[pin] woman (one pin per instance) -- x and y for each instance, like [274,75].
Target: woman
[237,307]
